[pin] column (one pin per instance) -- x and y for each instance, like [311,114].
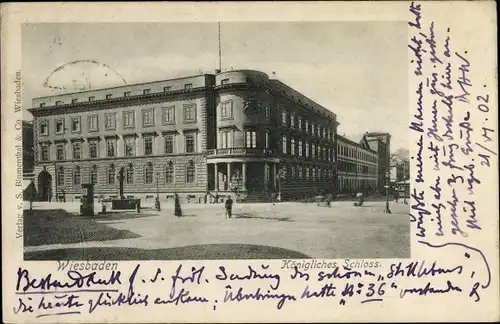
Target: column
[244,175]
[274,175]
[228,176]
[266,166]
[216,175]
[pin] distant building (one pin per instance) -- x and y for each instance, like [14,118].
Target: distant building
[357,166]
[236,130]
[381,143]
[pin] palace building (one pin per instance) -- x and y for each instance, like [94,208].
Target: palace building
[230,131]
[358,166]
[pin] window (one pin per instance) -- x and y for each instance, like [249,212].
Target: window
[284,142]
[126,94]
[44,152]
[190,147]
[77,179]
[91,98]
[292,120]
[251,139]
[75,125]
[267,139]
[169,115]
[268,111]
[292,146]
[60,176]
[169,144]
[225,81]
[188,86]
[307,126]
[93,174]
[60,151]
[42,104]
[190,172]
[299,122]
[109,96]
[44,127]
[313,151]
[146,91]
[74,100]
[307,150]
[167,88]
[59,126]
[92,123]
[283,117]
[189,113]
[77,151]
[148,117]
[169,173]
[300,148]
[111,147]
[226,109]
[312,129]
[58,103]
[93,149]
[148,145]
[148,173]
[129,146]
[110,121]
[225,139]
[129,175]
[128,119]
[111,174]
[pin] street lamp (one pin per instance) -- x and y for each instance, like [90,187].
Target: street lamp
[157,202]
[387,210]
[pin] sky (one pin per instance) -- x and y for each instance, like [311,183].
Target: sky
[358,70]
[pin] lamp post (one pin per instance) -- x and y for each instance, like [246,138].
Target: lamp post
[157,202]
[387,210]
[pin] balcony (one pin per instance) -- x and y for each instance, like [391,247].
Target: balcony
[239,151]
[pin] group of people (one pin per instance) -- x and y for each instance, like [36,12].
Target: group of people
[228,206]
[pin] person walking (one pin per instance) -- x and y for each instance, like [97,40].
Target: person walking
[177,206]
[229,207]
[396,195]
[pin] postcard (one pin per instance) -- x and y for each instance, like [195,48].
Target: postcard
[250,162]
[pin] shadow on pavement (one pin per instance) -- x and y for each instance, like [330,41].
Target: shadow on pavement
[56,226]
[249,215]
[193,252]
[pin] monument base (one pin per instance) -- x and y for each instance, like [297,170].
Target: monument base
[125,204]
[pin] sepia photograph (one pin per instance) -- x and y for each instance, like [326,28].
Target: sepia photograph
[231,140]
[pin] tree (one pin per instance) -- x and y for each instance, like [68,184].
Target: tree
[401,161]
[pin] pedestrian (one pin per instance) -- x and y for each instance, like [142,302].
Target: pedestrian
[229,207]
[273,197]
[217,197]
[329,198]
[396,195]
[177,206]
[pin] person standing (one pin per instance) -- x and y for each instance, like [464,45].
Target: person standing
[177,206]
[229,207]
[396,195]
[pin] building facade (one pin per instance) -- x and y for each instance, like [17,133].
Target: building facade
[357,166]
[381,143]
[236,130]
[28,152]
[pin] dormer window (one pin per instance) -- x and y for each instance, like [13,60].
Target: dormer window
[188,86]
[167,88]
[146,91]
[42,104]
[109,96]
[91,98]
[225,81]
[126,94]
[58,103]
[74,100]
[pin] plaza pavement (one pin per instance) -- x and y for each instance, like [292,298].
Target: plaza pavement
[342,231]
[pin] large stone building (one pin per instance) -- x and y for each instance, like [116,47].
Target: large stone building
[236,130]
[357,166]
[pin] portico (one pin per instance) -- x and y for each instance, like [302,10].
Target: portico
[242,174]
